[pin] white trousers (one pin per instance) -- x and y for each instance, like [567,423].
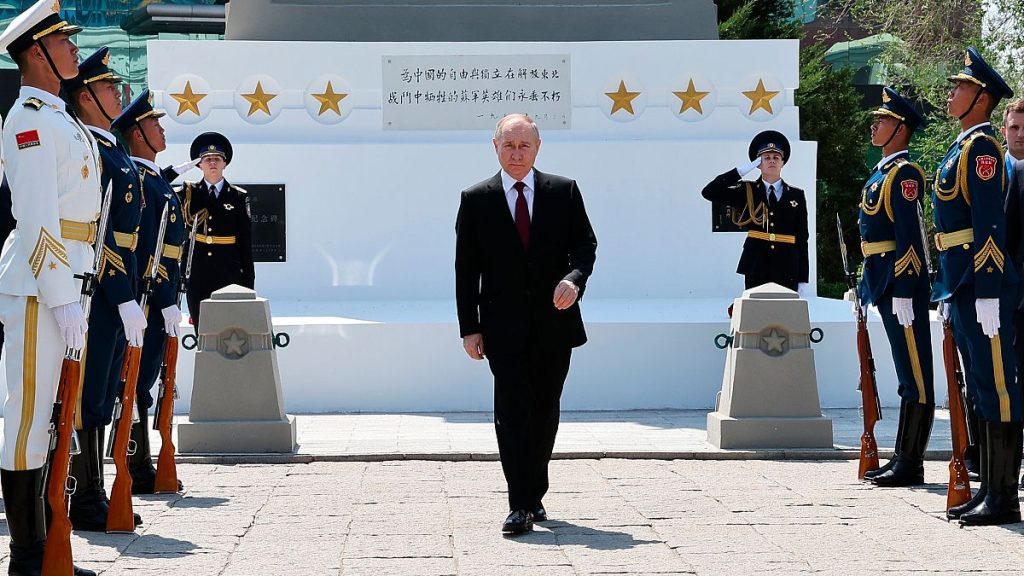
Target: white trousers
[33,352]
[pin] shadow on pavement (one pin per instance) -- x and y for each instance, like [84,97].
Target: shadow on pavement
[190,502]
[569,534]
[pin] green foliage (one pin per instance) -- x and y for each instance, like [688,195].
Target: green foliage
[830,114]
[757,20]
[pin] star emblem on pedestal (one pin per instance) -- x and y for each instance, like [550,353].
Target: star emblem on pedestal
[235,345]
[760,98]
[691,98]
[622,99]
[188,101]
[259,100]
[329,100]
[775,341]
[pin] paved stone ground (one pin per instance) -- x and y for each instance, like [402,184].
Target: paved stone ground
[609,516]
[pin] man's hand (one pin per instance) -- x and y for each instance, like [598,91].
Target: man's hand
[988,315]
[474,345]
[565,294]
[903,309]
[744,169]
[72,323]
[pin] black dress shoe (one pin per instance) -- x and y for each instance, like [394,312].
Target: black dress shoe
[518,522]
[539,513]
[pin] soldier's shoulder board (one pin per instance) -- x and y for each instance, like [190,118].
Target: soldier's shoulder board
[34,103]
[241,191]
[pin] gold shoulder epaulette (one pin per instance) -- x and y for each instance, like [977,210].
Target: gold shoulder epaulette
[34,103]
[239,189]
[104,142]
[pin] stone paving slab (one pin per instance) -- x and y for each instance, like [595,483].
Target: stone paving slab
[609,516]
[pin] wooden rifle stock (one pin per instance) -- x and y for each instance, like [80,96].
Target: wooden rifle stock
[57,555]
[959,490]
[166,470]
[869,398]
[120,517]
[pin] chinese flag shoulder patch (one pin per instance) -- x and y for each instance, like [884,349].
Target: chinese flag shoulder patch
[27,139]
[909,189]
[986,166]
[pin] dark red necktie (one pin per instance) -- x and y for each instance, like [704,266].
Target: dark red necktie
[522,215]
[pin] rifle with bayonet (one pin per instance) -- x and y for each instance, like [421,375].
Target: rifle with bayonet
[120,517]
[959,489]
[63,440]
[166,470]
[870,406]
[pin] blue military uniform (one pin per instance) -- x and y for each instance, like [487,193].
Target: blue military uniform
[890,229]
[117,284]
[158,194]
[968,195]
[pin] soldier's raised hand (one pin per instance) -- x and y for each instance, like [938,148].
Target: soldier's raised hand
[745,169]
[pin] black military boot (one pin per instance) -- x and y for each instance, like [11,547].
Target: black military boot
[141,462]
[26,521]
[871,474]
[915,428]
[972,454]
[101,454]
[88,510]
[1002,466]
[955,512]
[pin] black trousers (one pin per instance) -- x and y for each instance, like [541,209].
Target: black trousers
[753,281]
[527,396]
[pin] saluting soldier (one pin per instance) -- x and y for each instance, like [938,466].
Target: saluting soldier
[116,318]
[980,285]
[896,281]
[50,162]
[221,210]
[773,213]
[139,124]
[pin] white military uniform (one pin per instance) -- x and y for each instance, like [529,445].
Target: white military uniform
[51,163]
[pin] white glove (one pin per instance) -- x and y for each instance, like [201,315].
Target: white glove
[134,322]
[745,169]
[172,320]
[185,166]
[801,289]
[943,310]
[903,308]
[72,323]
[988,315]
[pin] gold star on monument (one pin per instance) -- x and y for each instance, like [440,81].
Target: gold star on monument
[188,101]
[622,99]
[329,100]
[760,98]
[259,100]
[691,99]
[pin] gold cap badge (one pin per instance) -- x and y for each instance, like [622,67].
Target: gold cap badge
[56,6]
[106,58]
[885,96]
[967,59]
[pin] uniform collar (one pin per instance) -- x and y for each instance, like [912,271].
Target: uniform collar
[967,132]
[890,158]
[104,133]
[147,163]
[47,98]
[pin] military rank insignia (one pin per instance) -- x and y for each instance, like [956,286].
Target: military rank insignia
[986,167]
[909,188]
[27,139]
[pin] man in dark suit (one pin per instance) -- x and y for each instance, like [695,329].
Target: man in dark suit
[221,210]
[524,250]
[773,213]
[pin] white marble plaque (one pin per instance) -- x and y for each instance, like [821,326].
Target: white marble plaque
[471,92]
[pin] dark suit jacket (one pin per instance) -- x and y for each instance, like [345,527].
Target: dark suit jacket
[504,291]
[1015,219]
[218,265]
[784,263]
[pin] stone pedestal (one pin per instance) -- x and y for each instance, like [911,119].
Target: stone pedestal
[769,396]
[237,405]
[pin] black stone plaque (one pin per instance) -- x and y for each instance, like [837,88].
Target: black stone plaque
[266,201]
[722,218]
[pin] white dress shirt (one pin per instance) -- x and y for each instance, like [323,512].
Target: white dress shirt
[773,188]
[887,159]
[511,195]
[214,188]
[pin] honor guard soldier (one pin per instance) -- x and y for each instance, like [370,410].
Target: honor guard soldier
[224,239]
[139,124]
[773,213]
[980,286]
[116,318]
[51,166]
[896,281]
